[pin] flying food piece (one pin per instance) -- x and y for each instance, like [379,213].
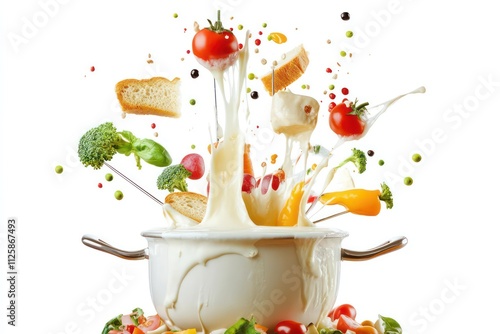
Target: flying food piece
[287,70]
[293,114]
[192,205]
[155,96]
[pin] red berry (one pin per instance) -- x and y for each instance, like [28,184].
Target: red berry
[345,91]
[99,185]
[328,70]
[331,106]
[257,42]
[153,125]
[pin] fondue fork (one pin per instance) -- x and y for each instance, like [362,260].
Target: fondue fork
[134,184]
[330,216]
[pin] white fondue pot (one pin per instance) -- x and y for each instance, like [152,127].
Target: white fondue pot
[208,279]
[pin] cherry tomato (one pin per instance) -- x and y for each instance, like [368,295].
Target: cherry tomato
[194,163]
[345,119]
[133,330]
[290,327]
[151,323]
[345,309]
[311,199]
[266,180]
[215,46]
[248,183]
[345,323]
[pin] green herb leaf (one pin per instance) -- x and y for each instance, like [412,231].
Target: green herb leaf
[136,314]
[390,325]
[329,331]
[114,323]
[242,326]
[151,152]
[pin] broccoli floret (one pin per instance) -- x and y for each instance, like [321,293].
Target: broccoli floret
[173,177]
[101,143]
[358,158]
[386,196]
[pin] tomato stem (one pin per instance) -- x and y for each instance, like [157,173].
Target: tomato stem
[358,110]
[217,27]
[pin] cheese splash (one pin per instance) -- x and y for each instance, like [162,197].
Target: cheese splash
[226,208]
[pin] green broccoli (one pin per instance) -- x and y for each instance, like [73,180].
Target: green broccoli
[173,177]
[358,158]
[386,196]
[101,143]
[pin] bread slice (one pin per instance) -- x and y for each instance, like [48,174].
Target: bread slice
[155,96]
[287,70]
[189,204]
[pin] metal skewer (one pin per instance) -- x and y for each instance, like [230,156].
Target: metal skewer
[216,112]
[133,183]
[330,217]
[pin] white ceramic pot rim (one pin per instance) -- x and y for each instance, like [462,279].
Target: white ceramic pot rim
[252,233]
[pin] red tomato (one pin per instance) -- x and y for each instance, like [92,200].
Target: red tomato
[132,329]
[346,323]
[194,163]
[345,119]
[266,180]
[290,327]
[248,183]
[311,199]
[215,46]
[345,309]
[151,323]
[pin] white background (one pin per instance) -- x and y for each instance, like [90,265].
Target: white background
[443,281]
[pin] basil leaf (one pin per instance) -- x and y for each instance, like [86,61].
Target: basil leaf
[128,136]
[390,325]
[151,152]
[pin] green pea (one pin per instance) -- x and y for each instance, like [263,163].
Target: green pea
[416,157]
[108,177]
[251,76]
[408,181]
[118,195]
[176,15]
[381,162]
[349,34]
[193,146]
[264,25]
[240,26]
[59,169]
[343,53]
[192,102]
[331,87]
[249,90]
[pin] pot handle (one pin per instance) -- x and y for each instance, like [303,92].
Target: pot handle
[96,243]
[386,247]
